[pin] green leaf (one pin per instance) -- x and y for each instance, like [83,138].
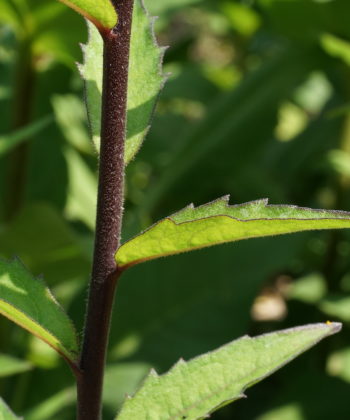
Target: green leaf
[82,189]
[100,12]
[92,72]
[5,412]
[8,142]
[26,301]
[11,366]
[217,223]
[9,14]
[46,243]
[337,306]
[121,379]
[52,406]
[145,80]
[336,47]
[194,389]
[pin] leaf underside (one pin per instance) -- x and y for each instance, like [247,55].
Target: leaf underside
[144,82]
[218,222]
[100,12]
[192,390]
[26,301]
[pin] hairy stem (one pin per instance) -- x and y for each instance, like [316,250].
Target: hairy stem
[105,273]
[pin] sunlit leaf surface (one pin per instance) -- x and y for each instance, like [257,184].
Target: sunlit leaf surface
[194,389]
[26,301]
[217,223]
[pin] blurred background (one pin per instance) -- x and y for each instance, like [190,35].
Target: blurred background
[257,105]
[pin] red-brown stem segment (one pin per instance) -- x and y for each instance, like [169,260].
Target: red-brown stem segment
[109,214]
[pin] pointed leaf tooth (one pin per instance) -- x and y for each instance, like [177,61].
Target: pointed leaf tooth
[151,378]
[180,362]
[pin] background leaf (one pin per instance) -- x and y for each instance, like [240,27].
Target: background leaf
[10,141]
[11,366]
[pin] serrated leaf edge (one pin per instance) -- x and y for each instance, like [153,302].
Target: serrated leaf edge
[333,328]
[225,199]
[164,76]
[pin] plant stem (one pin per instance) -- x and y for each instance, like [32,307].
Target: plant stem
[105,273]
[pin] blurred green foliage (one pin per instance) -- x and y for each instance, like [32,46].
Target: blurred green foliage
[257,105]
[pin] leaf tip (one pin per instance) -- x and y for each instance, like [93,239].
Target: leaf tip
[335,327]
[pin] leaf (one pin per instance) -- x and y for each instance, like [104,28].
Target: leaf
[100,12]
[26,301]
[145,80]
[305,20]
[337,306]
[8,142]
[82,191]
[9,14]
[194,389]
[46,243]
[160,7]
[11,366]
[52,406]
[121,379]
[217,223]
[92,72]
[5,412]
[336,47]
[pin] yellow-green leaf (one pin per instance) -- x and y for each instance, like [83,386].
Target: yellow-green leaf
[100,12]
[218,222]
[26,301]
